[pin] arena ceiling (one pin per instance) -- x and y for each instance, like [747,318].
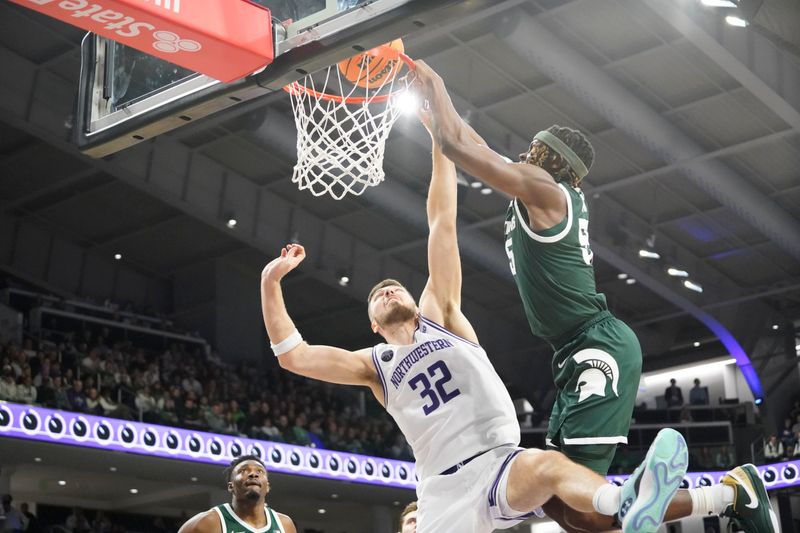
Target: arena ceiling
[696,125]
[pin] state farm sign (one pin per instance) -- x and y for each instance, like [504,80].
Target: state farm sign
[224,39]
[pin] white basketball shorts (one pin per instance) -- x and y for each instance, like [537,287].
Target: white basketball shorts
[472,500]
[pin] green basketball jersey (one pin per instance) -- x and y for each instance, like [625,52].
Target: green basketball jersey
[233,524]
[553,269]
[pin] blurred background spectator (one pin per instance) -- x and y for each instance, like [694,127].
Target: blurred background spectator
[698,395]
[673,395]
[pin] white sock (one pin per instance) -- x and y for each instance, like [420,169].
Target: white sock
[606,499]
[711,500]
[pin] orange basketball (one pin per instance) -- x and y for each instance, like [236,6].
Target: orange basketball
[374,67]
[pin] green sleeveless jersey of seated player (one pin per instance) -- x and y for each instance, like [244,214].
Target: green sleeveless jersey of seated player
[553,269]
[233,524]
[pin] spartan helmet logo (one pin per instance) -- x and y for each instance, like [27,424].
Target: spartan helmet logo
[592,381]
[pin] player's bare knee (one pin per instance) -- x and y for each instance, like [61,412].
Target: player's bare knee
[538,463]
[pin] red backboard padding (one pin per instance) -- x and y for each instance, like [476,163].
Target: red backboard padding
[224,39]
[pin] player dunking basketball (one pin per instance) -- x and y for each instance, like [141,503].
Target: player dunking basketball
[248,512]
[597,361]
[438,384]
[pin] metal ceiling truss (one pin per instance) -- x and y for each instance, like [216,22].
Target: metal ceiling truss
[606,96]
[645,227]
[46,190]
[771,74]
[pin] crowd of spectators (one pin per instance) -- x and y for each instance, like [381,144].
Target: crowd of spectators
[184,387]
[785,444]
[88,521]
[55,519]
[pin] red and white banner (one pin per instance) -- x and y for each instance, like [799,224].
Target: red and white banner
[224,39]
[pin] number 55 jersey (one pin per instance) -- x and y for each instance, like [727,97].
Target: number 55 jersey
[446,398]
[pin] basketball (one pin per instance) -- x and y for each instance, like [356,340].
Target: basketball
[374,67]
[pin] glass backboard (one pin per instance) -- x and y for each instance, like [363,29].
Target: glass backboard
[127,96]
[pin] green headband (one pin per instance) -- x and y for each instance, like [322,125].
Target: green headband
[561,148]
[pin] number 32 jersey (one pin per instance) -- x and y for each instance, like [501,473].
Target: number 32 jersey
[446,398]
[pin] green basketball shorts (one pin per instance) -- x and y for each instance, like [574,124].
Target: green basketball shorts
[597,375]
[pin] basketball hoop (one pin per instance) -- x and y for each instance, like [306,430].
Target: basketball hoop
[342,128]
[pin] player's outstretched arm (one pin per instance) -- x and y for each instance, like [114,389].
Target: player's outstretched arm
[441,299]
[325,363]
[459,142]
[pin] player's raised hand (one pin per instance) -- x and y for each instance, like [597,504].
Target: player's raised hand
[291,256]
[424,75]
[424,114]
[423,84]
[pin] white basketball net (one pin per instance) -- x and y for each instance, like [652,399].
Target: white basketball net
[340,145]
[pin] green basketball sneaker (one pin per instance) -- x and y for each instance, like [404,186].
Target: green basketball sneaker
[645,496]
[751,510]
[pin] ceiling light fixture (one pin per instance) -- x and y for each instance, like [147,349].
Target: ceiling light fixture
[719,3]
[775,327]
[622,275]
[113,468]
[231,223]
[692,286]
[630,281]
[696,344]
[486,190]
[37,459]
[677,272]
[736,21]
[344,281]
[321,511]
[476,184]
[134,491]
[649,254]
[193,479]
[117,256]
[62,482]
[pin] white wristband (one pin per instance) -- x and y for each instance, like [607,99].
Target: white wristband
[289,343]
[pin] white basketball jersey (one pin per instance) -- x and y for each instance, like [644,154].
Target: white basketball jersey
[446,397]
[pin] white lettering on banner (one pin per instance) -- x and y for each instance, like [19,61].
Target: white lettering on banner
[125,26]
[176,4]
